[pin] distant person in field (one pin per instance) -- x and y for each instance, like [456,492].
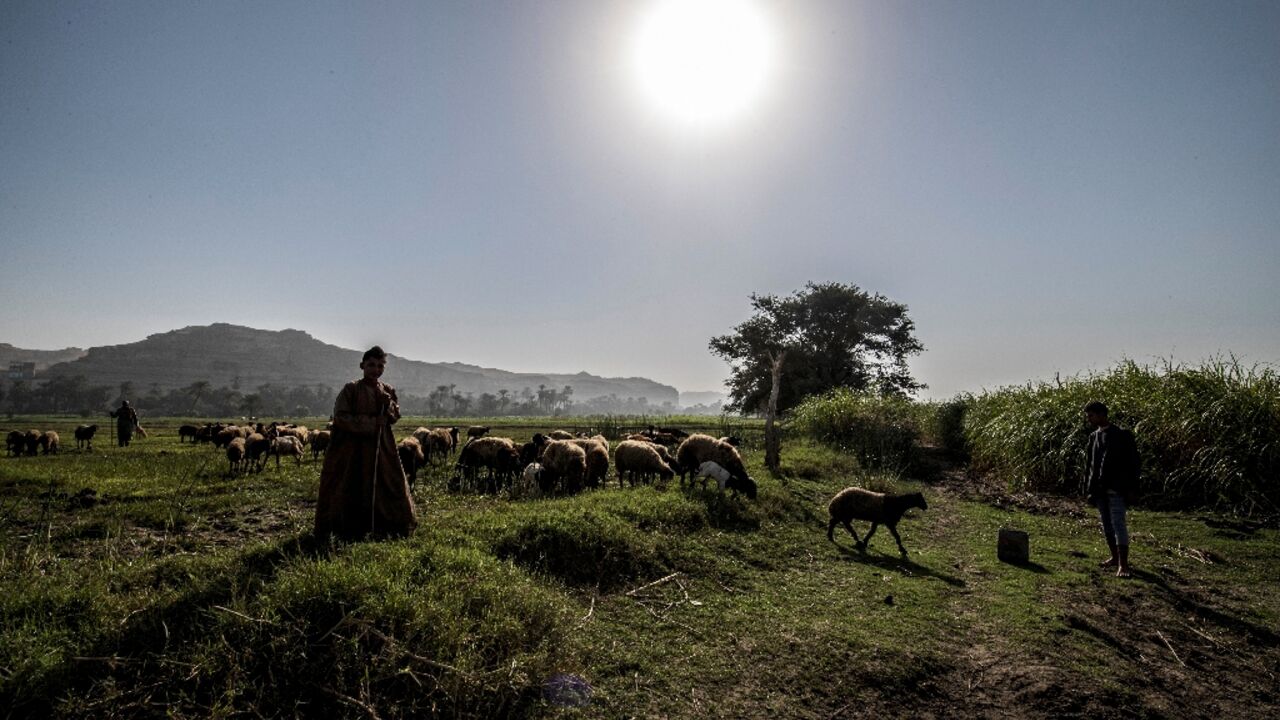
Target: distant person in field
[363,489]
[126,422]
[1112,482]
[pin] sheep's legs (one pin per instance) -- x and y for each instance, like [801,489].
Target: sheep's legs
[894,530]
[866,540]
[831,527]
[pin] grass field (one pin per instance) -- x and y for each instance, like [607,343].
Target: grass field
[174,590]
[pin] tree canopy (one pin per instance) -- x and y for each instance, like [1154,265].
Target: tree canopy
[825,336]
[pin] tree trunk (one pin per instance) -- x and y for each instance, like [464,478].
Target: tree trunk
[772,441]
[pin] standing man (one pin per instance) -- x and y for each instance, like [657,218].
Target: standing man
[126,421]
[1112,483]
[363,490]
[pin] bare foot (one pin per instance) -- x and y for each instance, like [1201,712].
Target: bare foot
[1108,563]
[1123,572]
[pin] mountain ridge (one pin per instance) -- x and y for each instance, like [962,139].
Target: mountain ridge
[240,356]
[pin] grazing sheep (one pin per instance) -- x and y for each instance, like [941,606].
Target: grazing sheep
[639,437]
[256,449]
[530,481]
[286,445]
[207,432]
[597,461]
[423,436]
[226,435]
[560,435]
[563,464]
[697,449]
[235,455]
[665,454]
[84,436]
[49,442]
[411,458]
[637,459]
[187,431]
[674,432]
[477,431]
[31,441]
[724,478]
[16,442]
[498,455]
[298,431]
[854,503]
[319,443]
[439,442]
[663,438]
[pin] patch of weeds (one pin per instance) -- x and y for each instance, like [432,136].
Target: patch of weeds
[591,548]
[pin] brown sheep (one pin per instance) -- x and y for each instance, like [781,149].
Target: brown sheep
[299,431]
[16,442]
[235,455]
[49,442]
[854,503]
[637,459]
[319,443]
[477,431]
[697,449]
[563,464]
[560,435]
[84,436]
[411,458]
[429,442]
[256,449]
[187,431]
[597,461]
[32,441]
[226,435]
[287,445]
[498,455]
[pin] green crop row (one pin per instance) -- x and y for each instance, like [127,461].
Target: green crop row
[1209,435]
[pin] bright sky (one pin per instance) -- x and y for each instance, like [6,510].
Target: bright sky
[1049,186]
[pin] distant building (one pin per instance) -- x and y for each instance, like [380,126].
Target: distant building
[21,371]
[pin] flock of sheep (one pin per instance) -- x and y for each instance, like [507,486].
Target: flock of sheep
[555,463]
[560,463]
[18,442]
[249,447]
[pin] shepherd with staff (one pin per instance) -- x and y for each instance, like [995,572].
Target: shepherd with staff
[126,423]
[363,489]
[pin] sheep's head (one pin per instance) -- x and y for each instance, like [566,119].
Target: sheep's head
[746,486]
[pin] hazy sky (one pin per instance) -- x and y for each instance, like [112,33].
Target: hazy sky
[1049,186]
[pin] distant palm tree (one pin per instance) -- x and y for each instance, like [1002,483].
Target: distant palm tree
[196,390]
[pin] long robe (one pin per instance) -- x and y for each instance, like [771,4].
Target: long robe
[355,500]
[126,422]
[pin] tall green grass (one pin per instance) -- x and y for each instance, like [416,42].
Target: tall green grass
[880,430]
[1209,435]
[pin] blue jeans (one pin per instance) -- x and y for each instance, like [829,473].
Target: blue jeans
[1112,507]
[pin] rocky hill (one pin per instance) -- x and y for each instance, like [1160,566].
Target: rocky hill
[42,358]
[243,357]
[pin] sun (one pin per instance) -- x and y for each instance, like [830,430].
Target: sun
[703,62]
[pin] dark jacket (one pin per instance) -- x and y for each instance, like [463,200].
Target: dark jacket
[1113,463]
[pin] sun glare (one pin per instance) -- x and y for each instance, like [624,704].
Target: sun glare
[703,62]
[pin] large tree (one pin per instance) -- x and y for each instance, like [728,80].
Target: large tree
[825,336]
